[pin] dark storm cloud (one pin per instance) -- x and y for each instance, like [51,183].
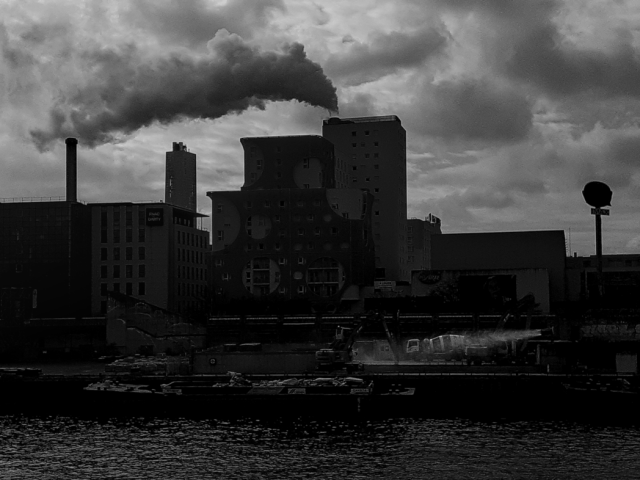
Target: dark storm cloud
[125,91]
[544,58]
[384,54]
[474,110]
[195,22]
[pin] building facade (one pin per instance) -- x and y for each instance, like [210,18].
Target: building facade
[152,251]
[45,247]
[289,234]
[375,152]
[419,241]
[180,178]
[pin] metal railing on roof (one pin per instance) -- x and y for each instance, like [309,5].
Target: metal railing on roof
[31,199]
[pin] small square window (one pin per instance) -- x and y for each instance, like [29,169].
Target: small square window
[353,134]
[376,190]
[226,276]
[366,132]
[375,144]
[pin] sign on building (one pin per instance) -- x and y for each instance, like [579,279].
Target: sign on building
[155,217]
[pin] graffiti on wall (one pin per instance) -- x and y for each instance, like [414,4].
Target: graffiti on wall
[612,331]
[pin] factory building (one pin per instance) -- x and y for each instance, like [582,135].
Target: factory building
[293,232]
[45,252]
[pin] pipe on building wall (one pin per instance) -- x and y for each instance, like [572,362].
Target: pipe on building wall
[72,169]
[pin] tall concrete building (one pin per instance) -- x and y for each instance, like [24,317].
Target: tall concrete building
[180,181]
[290,234]
[374,149]
[419,234]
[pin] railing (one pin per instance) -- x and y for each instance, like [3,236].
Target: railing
[31,199]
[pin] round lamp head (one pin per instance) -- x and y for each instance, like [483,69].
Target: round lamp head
[597,194]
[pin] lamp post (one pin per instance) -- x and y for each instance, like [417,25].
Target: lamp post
[598,195]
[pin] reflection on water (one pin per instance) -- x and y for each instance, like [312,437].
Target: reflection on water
[70,448]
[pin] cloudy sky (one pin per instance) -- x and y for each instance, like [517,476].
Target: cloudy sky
[510,107]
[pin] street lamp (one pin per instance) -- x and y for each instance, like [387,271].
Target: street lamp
[598,195]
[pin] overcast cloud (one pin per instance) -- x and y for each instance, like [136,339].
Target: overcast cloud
[510,107]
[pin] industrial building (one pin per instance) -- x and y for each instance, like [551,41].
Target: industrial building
[289,234]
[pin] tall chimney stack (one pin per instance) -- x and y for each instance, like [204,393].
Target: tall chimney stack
[72,169]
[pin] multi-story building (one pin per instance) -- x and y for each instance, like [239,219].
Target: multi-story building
[290,234]
[419,241]
[374,149]
[153,251]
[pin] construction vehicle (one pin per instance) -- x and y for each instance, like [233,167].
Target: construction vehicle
[339,355]
[477,348]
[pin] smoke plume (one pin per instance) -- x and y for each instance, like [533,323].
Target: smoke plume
[123,89]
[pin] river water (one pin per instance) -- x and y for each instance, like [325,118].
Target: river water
[33,447]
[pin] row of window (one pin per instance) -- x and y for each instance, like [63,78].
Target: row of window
[116,217]
[191,239]
[128,254]
[190,256]
[363,144]
[193,273]
[141,288]
[280,203]
[128,271]
[128,238]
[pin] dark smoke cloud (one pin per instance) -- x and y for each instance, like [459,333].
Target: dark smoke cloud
[126,91]
[543,59]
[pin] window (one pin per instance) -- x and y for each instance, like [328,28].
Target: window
[311,217]
[362,144]
[116,253]
[248,204]
[128,253]
[375,144]
[366,132]
[259,164]
[103,254]
[316,231]
[354,167]
[116,287]
[103,271]
[129,288]
[376,190]
[142,288]
[283,203]
[278,161]
[310,246]
[226,276]
[276,218]
[366,155]
[116,271]
[377,213]
[220,235]
[219,262]
[301,289]
[300,203]
[129,271]
[142,271]
[141,253]
[277,246]
[334,231]
[375,155]
[103,235]
[301,231]
[103,289]
[219,208]
[354,144]
[345,214]
[141,235]
[305,185]
[305,163]
[116,236]
[282,261]
[128,235]
[267,203]
[353,134]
